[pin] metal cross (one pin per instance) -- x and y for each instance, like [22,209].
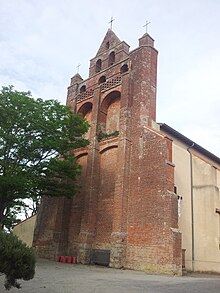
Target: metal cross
[111,21]
[78,67]
[147,22]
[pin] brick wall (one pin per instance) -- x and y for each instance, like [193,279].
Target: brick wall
[104,222]
[126,203]
[113,114]
[77,207]
[154,243]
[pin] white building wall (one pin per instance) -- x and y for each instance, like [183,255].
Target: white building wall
[182,181]
[206,198]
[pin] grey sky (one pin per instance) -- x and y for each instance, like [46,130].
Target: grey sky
[41,43]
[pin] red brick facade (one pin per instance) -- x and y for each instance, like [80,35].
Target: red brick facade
[126,205]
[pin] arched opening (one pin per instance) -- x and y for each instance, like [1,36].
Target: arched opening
[82,89]
[110,113]
[107,45]
[85,109]
[98,66]
[86,112]
[111,58]
[102,79]
[124,68]
[82,160]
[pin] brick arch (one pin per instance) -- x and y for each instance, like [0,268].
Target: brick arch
[111,58]
[82,89]
[78,156]
[98,65]
[86,111]
[110,112]
[102,79]
[82,160]
[105,206]
[106,148]
[85,108]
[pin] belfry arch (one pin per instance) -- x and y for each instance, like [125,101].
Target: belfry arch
[86,112]
[110,112]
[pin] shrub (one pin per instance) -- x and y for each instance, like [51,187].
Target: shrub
[17,261]
[103,135]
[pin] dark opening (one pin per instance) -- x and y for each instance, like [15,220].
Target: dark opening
[98,65]
[124,68]
[100,257]
[107,45]
[175,189]
[82,89]
[111,59]
[102,79]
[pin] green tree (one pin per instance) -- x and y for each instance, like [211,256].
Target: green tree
[17,261]
[36,142]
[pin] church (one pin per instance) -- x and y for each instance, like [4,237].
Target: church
[149,197]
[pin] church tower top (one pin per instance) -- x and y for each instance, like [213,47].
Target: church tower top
[146,40]
[111,63]
[110,41]
[111,51]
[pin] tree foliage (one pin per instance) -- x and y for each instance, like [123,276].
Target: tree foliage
[36,139]
[17,261]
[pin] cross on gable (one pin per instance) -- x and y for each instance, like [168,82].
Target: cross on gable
[146,24]
[111,21]
[78,67]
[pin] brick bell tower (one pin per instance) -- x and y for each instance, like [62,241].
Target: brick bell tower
[126,212]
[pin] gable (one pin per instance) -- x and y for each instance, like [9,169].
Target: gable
[110,40]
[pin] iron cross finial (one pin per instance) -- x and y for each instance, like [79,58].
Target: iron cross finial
[146,24]
[111,21]
[78,67]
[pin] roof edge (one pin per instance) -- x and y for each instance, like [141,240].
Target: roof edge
[189,142]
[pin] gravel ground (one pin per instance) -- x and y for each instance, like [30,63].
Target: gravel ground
[59,277]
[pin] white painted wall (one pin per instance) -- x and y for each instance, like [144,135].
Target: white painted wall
[182,180]
[206,198]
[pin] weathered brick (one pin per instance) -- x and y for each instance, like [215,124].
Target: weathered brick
[126,203]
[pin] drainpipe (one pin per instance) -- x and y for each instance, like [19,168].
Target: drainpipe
[192,203]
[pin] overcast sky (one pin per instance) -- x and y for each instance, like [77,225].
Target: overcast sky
[42,42]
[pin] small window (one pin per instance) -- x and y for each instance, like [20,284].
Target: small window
[107,45]
[102,79]
[82,89]
[98,66]
[124,68]
[175,189]
[111,59]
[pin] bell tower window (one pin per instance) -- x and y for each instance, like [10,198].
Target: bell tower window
[124,68]
[98,66]
[111,58]
[82,89]
[102,79]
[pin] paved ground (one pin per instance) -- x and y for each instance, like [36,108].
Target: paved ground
[64,278]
